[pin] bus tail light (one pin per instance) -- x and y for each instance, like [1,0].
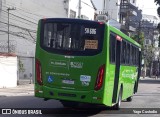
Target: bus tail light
[100,78]
[38,72]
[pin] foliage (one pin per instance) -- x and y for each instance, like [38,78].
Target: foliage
[158,11]
[157,1]
[158,27]
[21,66]
[139,38]
[148,54]
[159,42]
[147,51]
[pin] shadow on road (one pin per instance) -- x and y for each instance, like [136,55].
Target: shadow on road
[80,111]
[150,81]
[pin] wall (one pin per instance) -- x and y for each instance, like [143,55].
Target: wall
[112,7]
[24,19]
[23,23]
[25,69]
[8,71]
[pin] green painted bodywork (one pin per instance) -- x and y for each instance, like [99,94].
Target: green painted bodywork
[60,68]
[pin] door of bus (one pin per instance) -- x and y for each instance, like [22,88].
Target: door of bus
[117,68]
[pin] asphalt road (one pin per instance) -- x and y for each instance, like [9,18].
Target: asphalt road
[148,96]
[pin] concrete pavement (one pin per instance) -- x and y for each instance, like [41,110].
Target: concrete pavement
[20,90]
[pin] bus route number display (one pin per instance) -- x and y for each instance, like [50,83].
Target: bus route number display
[90,31]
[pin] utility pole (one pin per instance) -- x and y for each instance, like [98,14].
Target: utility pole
[120,16]
[79,9]
[8,26]
[104,5]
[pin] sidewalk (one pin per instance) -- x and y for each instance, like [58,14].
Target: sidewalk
[149,78]
[20,90]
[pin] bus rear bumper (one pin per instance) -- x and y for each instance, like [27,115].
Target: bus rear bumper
[68,95]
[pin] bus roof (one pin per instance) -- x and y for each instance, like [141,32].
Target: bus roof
[67,20]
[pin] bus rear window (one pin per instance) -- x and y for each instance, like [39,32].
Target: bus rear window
[72,37]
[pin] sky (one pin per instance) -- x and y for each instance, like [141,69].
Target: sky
[148,6]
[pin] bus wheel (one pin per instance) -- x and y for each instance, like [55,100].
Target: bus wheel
[117,106]
[129,99]
[69,104]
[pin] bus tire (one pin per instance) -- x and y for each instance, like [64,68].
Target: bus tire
[117,106]
[129,99]
[135,87]
[69,104]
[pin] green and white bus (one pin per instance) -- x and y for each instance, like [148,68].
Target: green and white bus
[82,61]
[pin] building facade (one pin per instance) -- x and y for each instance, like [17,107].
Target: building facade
[23,18]
[122,11]
[83,9]
[112,8]
[19,21]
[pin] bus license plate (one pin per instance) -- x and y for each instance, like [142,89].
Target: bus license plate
[68,81]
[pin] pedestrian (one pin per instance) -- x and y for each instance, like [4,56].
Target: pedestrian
[143,73]
[156,74]
[30,78]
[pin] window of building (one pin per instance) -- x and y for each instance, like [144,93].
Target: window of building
[72,14]
[133,1]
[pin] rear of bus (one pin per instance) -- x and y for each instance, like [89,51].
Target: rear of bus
[70,60]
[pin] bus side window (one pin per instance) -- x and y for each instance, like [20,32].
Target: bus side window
[123,52]
[112,48]
[137,56]
[131,55]
[128,53]
[134,58]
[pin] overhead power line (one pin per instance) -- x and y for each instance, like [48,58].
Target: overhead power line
[17,20]
[19,35]
[26,10]
[20,17]
[21,12]
[33,31]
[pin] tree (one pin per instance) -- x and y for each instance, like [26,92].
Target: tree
[157,1]
[158,27]
[158,12]
[159,42]
[139,38]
